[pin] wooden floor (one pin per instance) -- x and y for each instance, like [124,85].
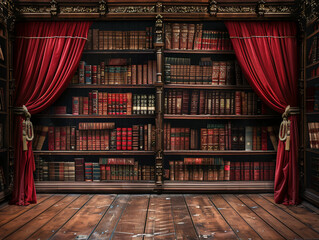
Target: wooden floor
[76,216]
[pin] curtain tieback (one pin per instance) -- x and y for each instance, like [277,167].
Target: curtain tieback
[284,130]
[27,127]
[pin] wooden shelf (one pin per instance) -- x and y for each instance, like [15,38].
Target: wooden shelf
[218,52]
[226,152]
[312,64]
[3,112]
[94,187]
[146,51]
[79,153]
[91,116]
[121,86]
[315,78]
[312,113]
[315,151]
[202,86]
[186,117]
[218,186]
[313,34]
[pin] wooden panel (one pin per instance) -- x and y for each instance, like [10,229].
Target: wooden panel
[207,220]
[12,226]
[84,221]
[263,229]
[268,218]
[49,229]
[160,224]
[184,228]
[9,212]
[106,226]
[42,219]
[132,222]
[291,222]
[239,226]
[310,218]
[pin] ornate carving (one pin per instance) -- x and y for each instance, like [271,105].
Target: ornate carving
[132,9]
[185,9]
[300,14]
[213,8]
[279,9]
[54,8]
[159,28]
[260,8]
[159,7]
[79,9]
[37,9]
[236,9]
[312,9]
[102,8]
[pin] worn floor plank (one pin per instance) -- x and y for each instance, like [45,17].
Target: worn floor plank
[132,222]
[85,220]
[108,223]
[298,227]
[51,227]
[160,223]
[239,226]
[42,219]
[208,222]
[262,228]
[311,219]
[24,218]
[282,229]
[9,212]
[184,228]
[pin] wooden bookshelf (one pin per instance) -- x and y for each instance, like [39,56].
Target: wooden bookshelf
[3,113]
[70,116]
[219,153]
[313,79]
[208,87]
[113,86]
[98,153]
[310,150]
[312,64]
[213,52]
[203,117]
[312,34]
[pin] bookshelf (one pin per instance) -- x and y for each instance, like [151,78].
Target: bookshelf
[311,111]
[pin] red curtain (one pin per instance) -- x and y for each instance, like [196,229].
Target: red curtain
[267,54]
[46,56]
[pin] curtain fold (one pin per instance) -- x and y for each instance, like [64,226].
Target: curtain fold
[267,54]
[46,57]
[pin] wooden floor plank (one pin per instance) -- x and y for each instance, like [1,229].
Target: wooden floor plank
[184,227]
[42,219]
[207,220]
[9,212]
[48,230]
[298,227]
[263,229]
[239,226]
[282,229]
[132,222]
[159,223]
[40,198]
[310,218]
[108,223]
[18,222]
[84,221]
[310,207]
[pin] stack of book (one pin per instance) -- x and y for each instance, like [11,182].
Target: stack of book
[54,171]
[313,130]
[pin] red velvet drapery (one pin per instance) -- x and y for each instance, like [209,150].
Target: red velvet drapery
[267,54]
[46,57]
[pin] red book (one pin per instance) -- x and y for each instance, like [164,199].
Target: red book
[210,138]
[237,169]
[227,170]
[215,74]
[98,140]
[51,139]
[182,139]
[264,138]
[173,139]
[63,138]
[238,103]
[256,171]
[57,137]
[187,138]
[118,138]
[203,134]
[232,171]
[73,139]
[124,139]
[89,140]
[75,105]
[247,171]
[272,171]
[129,138]
[177,138]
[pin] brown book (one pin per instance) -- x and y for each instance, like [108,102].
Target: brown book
[222,73]
[215,74]
[227,170]
[42,136]
[272,137]
[144,74]
[190,38]
[183,36]
[95,39]
[168,36]
[204,140]
[139,74]
[175,35]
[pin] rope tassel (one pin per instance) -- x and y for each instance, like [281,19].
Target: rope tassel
[284,130]
[27,127]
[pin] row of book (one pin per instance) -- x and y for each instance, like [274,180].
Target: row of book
[313,130]
[65,138]
[208,72]
[116,71]
[119,40]
[219,170]
[313,54]
[106,169]
[192,36]
[219,137]
[2,101]
[213,102]
[103,103]
[312,102]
